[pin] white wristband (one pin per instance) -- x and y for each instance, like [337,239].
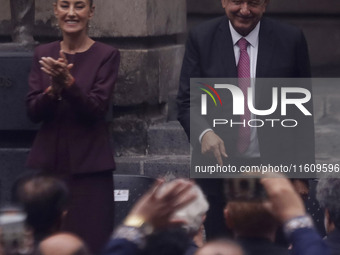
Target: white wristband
[296,223]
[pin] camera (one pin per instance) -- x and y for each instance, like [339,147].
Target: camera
[12,234]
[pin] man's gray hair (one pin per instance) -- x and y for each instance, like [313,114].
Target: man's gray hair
[328,195]
[193,213]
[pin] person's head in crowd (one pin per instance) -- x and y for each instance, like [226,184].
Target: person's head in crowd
[250,219]
[288,207]
[170,241]
[44,199]
[244,15]
[328,195]
[62,244]
[220,247]
[302,187]
[194,213]
[15,238]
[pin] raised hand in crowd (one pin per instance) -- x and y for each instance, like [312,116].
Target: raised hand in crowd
[157,209]
[152,213]
[284,200]
[288,207]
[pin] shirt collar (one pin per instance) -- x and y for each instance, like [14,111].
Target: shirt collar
[252,37]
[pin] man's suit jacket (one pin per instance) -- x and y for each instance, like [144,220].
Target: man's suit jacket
[261,246]
[333,241]
[307,241]
[282,53]
[118,246]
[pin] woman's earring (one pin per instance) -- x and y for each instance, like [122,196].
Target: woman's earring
[57,28]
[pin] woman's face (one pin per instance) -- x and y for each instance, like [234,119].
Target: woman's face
[73,15]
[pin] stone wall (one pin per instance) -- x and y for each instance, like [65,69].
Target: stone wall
[158,18]
[119,18]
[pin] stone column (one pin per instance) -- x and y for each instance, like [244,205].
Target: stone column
[22,13]
[147,32]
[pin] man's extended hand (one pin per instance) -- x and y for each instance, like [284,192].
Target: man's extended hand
[213,144]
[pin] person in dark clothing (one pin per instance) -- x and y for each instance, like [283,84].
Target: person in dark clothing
[328,195]
[218,48]
[44,199]
[287,206]
[173,241]
[70,87]
[150,223]
[193,215]
[255,222]
[254,227]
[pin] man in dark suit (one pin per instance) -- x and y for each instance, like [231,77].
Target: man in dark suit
[273,50]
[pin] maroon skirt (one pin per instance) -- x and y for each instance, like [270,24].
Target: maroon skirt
[91,209]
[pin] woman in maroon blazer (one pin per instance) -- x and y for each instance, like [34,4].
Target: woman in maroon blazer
[71,82]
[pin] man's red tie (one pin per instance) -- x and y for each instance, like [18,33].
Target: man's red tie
[243,69]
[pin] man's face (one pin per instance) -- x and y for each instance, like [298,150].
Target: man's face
[244,14]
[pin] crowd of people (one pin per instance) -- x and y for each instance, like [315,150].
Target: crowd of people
[169,219]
